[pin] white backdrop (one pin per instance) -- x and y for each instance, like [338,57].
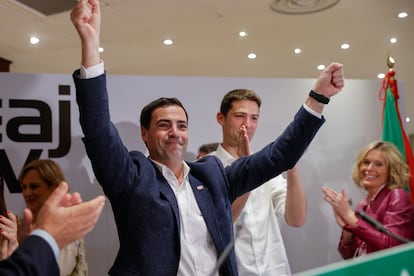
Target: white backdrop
[353,120]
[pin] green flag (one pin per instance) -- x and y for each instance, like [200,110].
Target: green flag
[393,130]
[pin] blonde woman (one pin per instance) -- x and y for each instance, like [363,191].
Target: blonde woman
[381,171]
[38,179]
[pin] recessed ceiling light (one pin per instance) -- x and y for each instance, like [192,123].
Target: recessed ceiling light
[393,40]
[34,40]
[100,49]
[407,119]
[320,67]
[345,46]
[402,15]
[242,34]
[168,42]
[297,51]
[381,75]
[251,56]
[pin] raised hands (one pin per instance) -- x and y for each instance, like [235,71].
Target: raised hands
[243,147]
[86,17]
[26,226]
[330,81]
[8,235]
[340,205]
[65,218]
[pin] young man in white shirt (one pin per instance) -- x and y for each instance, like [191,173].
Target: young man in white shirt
[259,245]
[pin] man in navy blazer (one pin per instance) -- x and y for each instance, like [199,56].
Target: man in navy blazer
[62,220]
[174,217]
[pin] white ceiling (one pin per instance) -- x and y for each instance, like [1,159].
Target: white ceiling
[206,41]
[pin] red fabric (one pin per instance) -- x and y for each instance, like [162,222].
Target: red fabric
[390,81]
[393,209]
[409,156]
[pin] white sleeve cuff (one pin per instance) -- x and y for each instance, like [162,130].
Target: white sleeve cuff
[49,239]
[313,112]
[93,71]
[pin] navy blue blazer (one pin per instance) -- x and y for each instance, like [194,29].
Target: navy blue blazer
[145,208]
[34,257]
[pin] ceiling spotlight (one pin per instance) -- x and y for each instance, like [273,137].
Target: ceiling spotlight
[34,40]
[242,34]
[407,119]
[381,75]
[320,67]
[345,46]
[402,15]
[168,42]
[251,56]
[297,51]
[393,40]
[100,49]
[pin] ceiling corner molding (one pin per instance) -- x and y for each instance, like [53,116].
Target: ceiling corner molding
[302,6]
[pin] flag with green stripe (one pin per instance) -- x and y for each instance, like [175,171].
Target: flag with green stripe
[393,130]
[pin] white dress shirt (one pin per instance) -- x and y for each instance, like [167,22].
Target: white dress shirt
[259,246]
[198,253]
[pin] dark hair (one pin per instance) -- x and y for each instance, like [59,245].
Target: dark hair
[146,113]
[207,148]
[48,170]
[238,95]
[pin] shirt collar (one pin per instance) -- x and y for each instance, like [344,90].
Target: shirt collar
[369,200]
[225,157]
[168,174]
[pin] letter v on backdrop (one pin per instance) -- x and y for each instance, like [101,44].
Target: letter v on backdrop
[35,127]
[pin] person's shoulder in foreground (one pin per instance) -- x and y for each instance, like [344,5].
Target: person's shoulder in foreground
[62,220]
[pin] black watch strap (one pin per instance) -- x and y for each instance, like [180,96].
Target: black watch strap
[319,97]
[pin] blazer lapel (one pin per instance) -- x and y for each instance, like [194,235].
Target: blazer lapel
[168,194]
[202,196]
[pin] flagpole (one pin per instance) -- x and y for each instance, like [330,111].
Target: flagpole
[390,62]
[393,127]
